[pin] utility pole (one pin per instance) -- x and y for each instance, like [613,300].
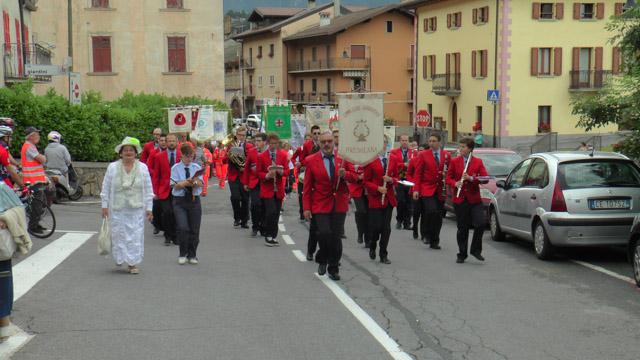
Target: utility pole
[70,31]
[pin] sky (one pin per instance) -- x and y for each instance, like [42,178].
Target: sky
[249,5]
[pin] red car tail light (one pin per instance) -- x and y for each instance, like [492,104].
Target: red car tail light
[558,204]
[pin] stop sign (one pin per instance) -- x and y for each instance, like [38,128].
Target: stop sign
[423,119]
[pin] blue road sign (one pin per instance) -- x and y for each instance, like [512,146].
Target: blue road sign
[493,95]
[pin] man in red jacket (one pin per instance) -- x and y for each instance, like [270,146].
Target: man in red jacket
[380,177]
[252,181]
[403,213]
[272,185]
[151,164]
[468,205]
[239,197]
[164,161]
[416,206]
[326,201]
[146,150]
[429,185]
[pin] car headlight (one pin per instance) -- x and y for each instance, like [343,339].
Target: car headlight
[486,194]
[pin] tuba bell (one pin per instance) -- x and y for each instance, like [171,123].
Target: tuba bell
[236,160]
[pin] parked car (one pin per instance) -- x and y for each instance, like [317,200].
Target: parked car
[567,199]
[633,249]
[498,163]
[254,124]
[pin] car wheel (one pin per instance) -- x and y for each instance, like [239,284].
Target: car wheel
[494,225]
[636,262]
[544,249]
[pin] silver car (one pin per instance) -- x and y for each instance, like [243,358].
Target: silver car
[567,199]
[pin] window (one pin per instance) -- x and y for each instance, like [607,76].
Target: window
[328,87]
[544,117]
[587,11]
[428,66]
[454,20]
[259,51]
[259,80]
[101,53]
[514,180]
[430,24]
[177,53]
[313,54]
[479,115]
[538,176]
[618,9]
[100,4]
[481,15]
[314,86]
[586,70]
[389,26]
[271,50]
[619,66]
[479,65]
[175,4]
[357,51]
[301,93]
[546,61]
[548,11]
[272,80]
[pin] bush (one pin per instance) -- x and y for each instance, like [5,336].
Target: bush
[91,130]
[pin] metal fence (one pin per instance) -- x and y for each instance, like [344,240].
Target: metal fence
[443,83]
[548,142]
[589,79]
[15,56]
[329,63]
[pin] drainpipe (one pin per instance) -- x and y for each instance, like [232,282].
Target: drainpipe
[70,31]
[495,77]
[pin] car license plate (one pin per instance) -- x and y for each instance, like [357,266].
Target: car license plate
[610,204]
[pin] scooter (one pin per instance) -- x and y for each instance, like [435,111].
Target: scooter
[72,190]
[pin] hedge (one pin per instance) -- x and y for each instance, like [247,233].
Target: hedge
[90,131]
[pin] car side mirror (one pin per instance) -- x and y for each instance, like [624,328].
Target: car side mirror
[501,184]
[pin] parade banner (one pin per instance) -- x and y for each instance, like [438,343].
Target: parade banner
[390,134]
[204,125]
[279,120]
[180,120]
[334,124]
[318,115]
[298,129]
[361,126]
[220,125]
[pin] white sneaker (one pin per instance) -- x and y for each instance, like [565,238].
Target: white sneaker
[182,260]
[193,261]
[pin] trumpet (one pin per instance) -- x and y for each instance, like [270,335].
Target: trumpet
[237,160]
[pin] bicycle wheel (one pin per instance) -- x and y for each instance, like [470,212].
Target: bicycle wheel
[46,219]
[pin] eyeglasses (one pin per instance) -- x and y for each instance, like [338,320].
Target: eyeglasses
[316,133]
[326,141]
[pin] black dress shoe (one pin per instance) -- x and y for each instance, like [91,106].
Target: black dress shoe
[156,231]
[398,225]
[459,260]
[408,227]
[478,256]
[254,233]
[415,235]
[244,226]
[309,256]
[385,260]
[167,242]
[372,254]
[435,247]
[360,239]
[35,230]
[322,269]
[236,223]
[334,277]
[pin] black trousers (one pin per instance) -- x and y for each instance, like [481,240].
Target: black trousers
[257,210]
[328,230]
[380,221]
[36,206]
[432,213]
[312,241]
[419,220]
[157,214]
[168,219]
[403,197]
[300,186]
[239,201]
[272,208]
[362,217]
[188,213]
[469,215]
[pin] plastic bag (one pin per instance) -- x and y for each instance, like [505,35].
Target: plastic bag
[7,245]
[104,238]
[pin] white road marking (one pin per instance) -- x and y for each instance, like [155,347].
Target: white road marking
[299,255]
[76,231]
[17,340]
[288,240]
[81,202]
[280,219]
[374,329]
[605,271]
[281,227]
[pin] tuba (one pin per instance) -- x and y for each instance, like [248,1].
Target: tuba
[236,160]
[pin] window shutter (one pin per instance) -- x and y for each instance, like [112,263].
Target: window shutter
[473,63]
[448,64]
[182,55]
[575,61]
[459,19]
[433,65]
[448,21]
[536,10]
[19,48]
[618,9]
[435,23]
[26,39]
[534,61]
[171,46]
[7,31]
[424,67]
[560,11]
[97,58]
[600,10]
[576,11]
[106,53]
[486,14]
[616,60]
[598,66]
[475,16]
[457,59]
[485,64]
[426,25]
[557,61]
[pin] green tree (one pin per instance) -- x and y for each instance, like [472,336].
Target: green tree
[618,102]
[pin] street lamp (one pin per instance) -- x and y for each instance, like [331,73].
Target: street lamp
[628,5]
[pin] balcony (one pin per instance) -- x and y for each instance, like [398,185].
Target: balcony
[232,81]
[410,96]
[589,80]
[249,92]
[410,64]
[446,84]
[317,98]
[14,63]
[331,64]
[247,64]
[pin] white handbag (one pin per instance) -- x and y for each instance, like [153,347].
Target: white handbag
[7,245]
[104,238]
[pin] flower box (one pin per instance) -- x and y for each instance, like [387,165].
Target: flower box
[259,56]
[544,128]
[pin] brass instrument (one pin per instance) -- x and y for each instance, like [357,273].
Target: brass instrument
[444,177]
[236,160]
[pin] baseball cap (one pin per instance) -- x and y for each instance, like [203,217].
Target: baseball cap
[30,130]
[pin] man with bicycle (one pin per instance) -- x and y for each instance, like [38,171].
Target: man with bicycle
[33,174]
[7,171]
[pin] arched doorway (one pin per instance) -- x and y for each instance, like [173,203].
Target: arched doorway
[454,122]
[235,109]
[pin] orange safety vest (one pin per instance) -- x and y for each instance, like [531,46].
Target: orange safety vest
[32,171]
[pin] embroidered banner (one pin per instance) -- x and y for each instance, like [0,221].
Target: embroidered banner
[361,126]
[318,115]
[220,125]
[180,120]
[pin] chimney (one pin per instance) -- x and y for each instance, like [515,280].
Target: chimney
[312,4]
[336,8]
[325,19]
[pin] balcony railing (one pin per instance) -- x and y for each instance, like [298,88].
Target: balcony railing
[317,98]
[249,91]
[16,56]
[232,81]
[409,96]
[410,64]
[446,84]
[337,63]
[247,64]
[589,79]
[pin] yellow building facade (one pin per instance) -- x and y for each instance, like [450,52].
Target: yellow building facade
[538,55]
[173,47]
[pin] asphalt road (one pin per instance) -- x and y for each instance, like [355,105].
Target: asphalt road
[247,301]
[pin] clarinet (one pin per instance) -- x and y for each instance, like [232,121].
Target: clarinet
[444,178]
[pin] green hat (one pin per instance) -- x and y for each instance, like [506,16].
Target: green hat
[129,141]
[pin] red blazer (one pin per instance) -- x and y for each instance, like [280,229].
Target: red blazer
[296,155]
[429,177]
[319,194]
[470,189]
[250,174]
[306,151]
[162,173]
[266,185]
[146,151]
[235,173]
[373,174]
[410,154]
[151,161]
[356,188]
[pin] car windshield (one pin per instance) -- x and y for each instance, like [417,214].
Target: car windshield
[499,164]
[598,173]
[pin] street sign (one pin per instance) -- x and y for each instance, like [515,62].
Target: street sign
[493,95]
[423,118]
[43,70]
[75,92]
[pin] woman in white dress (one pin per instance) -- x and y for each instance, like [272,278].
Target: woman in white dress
[127,199]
